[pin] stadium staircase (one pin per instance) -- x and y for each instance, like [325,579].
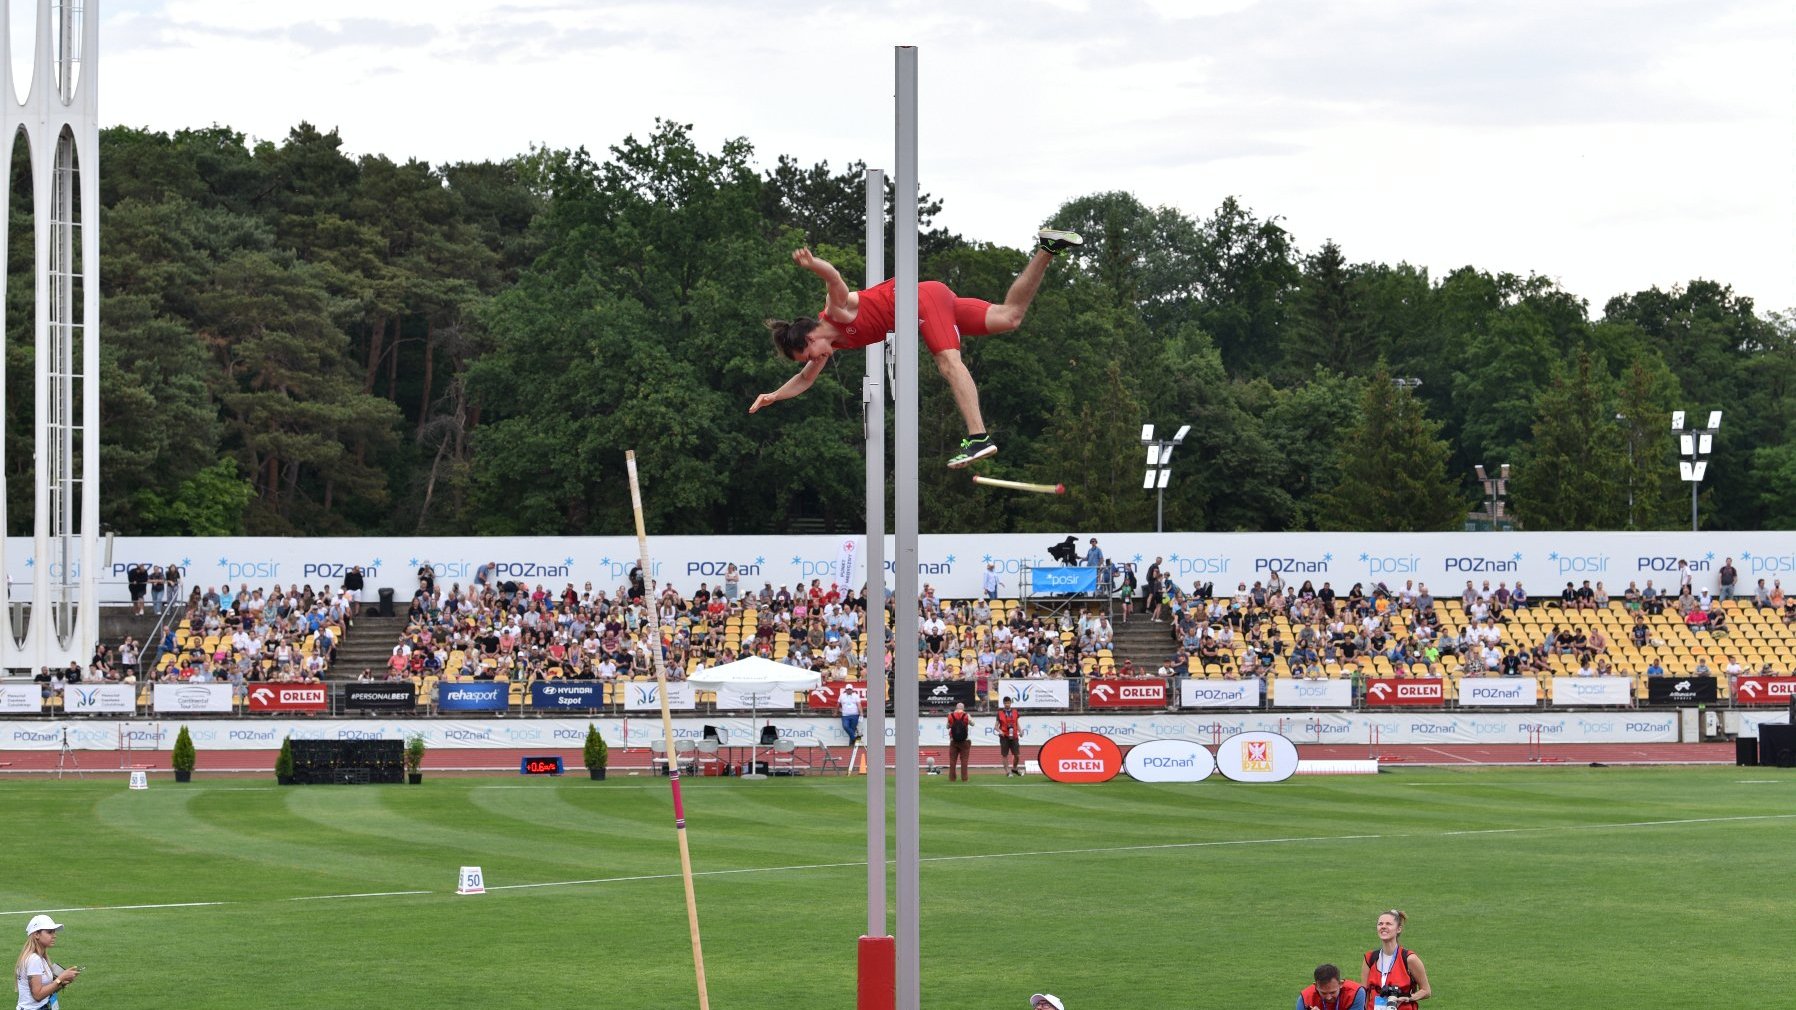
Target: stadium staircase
[367,646]
[1142,641]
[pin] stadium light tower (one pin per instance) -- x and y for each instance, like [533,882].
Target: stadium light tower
[1159,468]
[1694,449]
[1495,490]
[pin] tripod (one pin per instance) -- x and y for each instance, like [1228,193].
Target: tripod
[65,758]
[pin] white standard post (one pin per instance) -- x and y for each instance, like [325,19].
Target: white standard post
[873,395]
[908,938]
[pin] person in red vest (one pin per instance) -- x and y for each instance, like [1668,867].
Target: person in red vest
[1331,992]
[1010,738]
[1394,974]
[960,741]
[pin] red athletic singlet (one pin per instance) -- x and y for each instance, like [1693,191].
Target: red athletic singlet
[872,320]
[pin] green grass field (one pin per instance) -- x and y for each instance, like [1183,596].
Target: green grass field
[1572,886]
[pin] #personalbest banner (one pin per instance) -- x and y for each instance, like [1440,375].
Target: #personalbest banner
[1593,691]
[22,698]
[1498,692]
[643,696]
[1196,692]
[1036,693]
[99,698]
[1289,693]
[191,698]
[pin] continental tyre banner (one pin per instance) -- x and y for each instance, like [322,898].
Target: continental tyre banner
[191,698]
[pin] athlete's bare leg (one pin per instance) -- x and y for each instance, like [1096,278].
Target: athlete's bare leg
[1009,315]
[960,383]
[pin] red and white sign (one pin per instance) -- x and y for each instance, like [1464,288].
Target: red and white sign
[1080,757]
[1386,692]
[1126,694]
[1764,690]
[827,696]
[289,698]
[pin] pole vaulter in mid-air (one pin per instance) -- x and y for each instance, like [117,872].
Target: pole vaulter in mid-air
[853,319]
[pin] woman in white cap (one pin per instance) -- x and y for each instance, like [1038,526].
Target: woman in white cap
[39,980]
[1045,1001]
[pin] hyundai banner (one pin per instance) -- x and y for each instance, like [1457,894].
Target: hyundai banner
[99,698]
[1764,690]
[289,697]
[1337,693]
[567,694]
[1681,690]
[645,696]
[1063,581]
[478,696]
[1424,692]
[1498,692]
[1036,693]
[1133,693]
[389,696]
[1593,690]
[23,698]
[191,698]
[1195,692]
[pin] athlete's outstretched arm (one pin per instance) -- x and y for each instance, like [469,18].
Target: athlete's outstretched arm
[836,290]
[794,386]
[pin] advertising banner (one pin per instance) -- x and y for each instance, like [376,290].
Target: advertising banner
[1195,692]
[1132,693]
[1337,693]
[1036,693]
[1426,692]
[99,698]
[1067,581]
[827,696]
[731,696]
[1080,757]
[289,697]
[1593,691]
[1168,761]
[24,698]
[391,696]
[1257,757]
[479,696]
[191,698]
[567,694]
[1494,692]
[1678,690]
[1764,690]
[643,696]
[943,695]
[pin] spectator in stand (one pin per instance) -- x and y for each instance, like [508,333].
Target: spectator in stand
[1728,576]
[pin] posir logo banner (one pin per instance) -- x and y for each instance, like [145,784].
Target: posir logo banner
[1257,757]
[1126,693]
[289,698]
[1593,690]
[1036,693]
[1168,761]
[1080,757]
[1336,693]
[1385,693]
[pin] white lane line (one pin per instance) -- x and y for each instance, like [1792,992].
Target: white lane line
[1024,853]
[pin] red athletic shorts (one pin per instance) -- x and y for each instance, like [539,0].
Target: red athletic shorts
[942,317]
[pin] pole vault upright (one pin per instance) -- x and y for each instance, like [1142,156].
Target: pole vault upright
[904,473]
[876,953]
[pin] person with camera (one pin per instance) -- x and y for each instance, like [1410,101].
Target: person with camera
[1394,974]
[1331,992]
[39,978]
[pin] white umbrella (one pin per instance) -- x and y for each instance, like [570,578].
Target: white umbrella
[755,676]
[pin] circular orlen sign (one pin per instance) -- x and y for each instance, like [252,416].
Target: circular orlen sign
[1169,761]
[1080,757]
[1257,757]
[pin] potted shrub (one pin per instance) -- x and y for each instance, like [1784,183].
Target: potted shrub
[283,764]
[414,759]
[595,753]
[182,756]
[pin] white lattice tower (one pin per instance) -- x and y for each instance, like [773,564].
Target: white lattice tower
[56,117]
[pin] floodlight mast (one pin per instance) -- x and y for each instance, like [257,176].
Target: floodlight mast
[1694,448]
[1159,468]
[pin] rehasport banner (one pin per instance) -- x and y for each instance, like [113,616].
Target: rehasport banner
[1593,691]
[533,734]
[1036,693]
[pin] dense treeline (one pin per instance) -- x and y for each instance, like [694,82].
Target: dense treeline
[296,341]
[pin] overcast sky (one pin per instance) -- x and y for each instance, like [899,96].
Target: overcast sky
[1611,146]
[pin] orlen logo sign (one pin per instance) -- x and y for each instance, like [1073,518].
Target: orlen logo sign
[1168,761]
[1765,690]
[1579,564]
[1257,757]
[1080,757]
